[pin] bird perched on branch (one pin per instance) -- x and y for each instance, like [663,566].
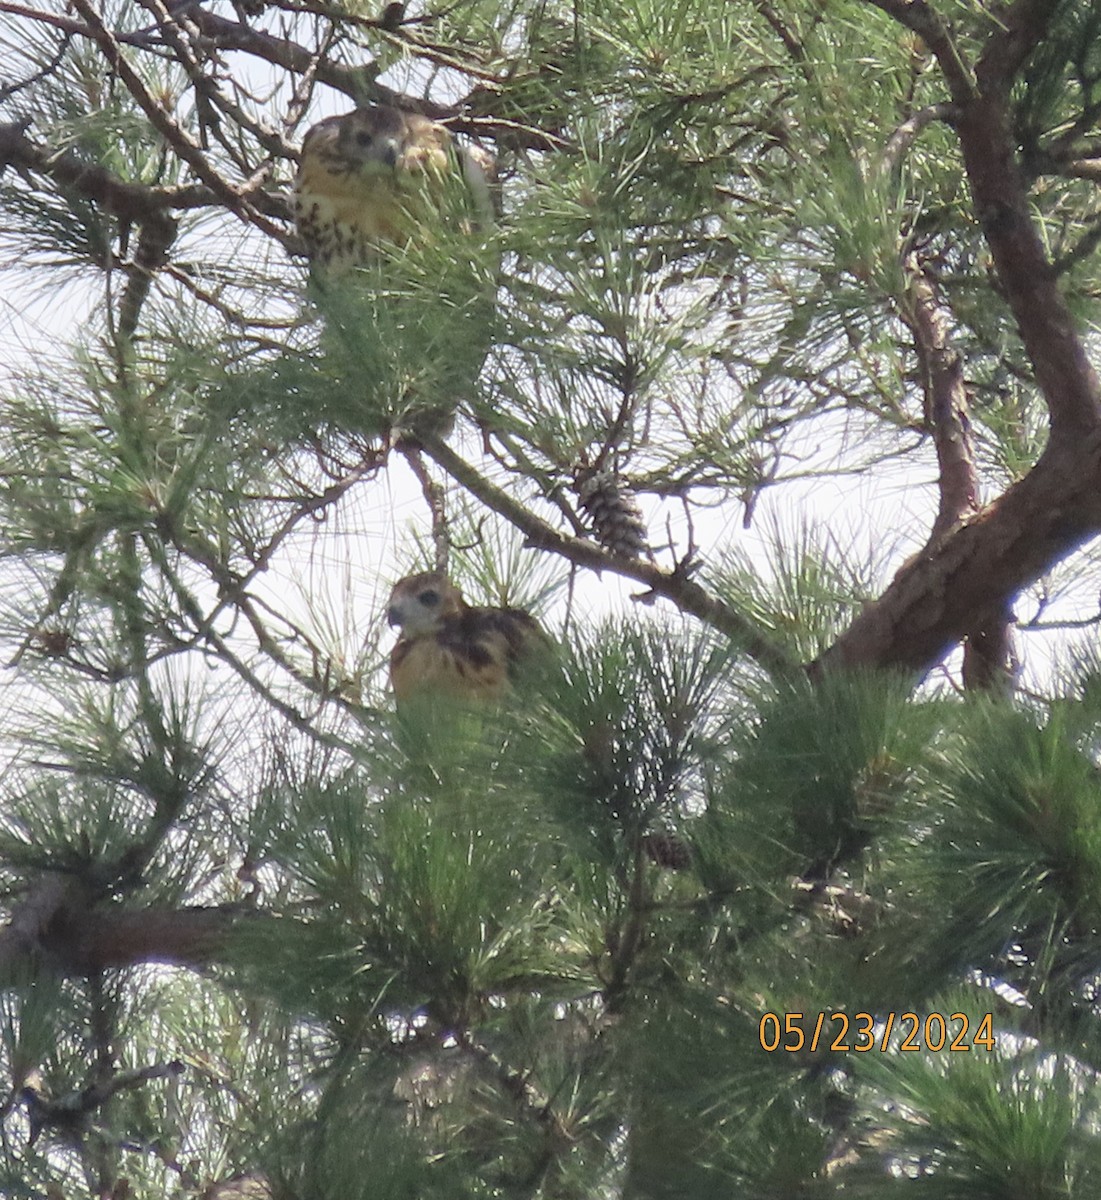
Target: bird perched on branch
[378,175]
[452,649]
[394,213]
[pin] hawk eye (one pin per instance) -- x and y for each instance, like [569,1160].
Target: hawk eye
[429,598]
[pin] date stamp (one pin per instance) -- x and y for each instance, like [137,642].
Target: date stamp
[842,1033]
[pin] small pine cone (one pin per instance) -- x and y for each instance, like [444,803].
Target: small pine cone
[616,520]
[667,850]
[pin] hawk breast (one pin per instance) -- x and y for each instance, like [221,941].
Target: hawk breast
[472,655]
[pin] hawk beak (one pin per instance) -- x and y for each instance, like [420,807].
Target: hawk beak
[393,615]
[388,151]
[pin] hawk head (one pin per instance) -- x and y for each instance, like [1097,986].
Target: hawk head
[421,604]
[380,142]
[369,177]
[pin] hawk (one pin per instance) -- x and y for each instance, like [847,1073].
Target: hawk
[448,648]
[377,175]
[393,213]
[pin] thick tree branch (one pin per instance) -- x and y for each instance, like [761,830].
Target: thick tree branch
[109,938]
[61,927]
[989,660]
[965,582]
[1021,26]
[154,246]
[970,577]
[946,401]
[983,123]
[1063,371]
[21,941]
[987,654]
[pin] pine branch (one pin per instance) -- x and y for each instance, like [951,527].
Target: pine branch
[358,83]
[237,200]
[436,499]
[983,123]
[943,592]
[921,18]
[529,1102]
[903,137]
[209,92]
[127,201]
[71,1114]
[239,598]
[674,585]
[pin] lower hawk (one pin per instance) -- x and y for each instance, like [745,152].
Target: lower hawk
[454,650]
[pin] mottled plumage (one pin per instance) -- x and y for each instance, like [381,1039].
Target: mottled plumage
[392,212]
[452,649]
[375,175]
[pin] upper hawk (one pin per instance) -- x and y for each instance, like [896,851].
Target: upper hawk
[377,174]
[452,649]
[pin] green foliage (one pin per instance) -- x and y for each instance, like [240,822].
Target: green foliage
[1002,836]
[807,588]
[1015,1121]
[526,951]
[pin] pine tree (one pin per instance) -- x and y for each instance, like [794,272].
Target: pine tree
[781,879]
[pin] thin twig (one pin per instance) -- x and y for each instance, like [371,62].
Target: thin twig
[436,499]
[181,141]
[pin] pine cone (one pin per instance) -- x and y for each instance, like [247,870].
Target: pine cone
[614,513]
[668,851]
